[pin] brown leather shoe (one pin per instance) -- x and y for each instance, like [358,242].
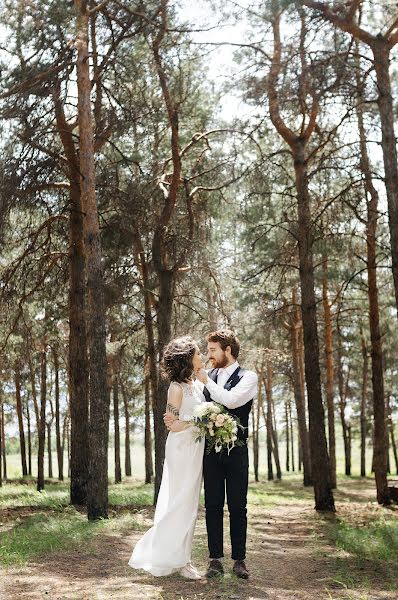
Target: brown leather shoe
[215,569]
[240,569]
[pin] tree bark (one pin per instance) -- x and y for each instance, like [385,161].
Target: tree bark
[364,403]
[328,341]
[118,469]
[49,451]
[22,447]
[343,390]
[255,424]
[60,449]
[78,383]
[298,387]
[42,421]
[99,396]
[28,424]
[324,500]
[372,199]
[148,437]
[127,457]
[287,438]
[3,455]
[1,436]
[291,435]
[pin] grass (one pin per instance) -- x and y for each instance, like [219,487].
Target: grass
[43,533]
[45,522]
[366,549]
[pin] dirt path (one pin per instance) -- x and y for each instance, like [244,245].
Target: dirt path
[287,557]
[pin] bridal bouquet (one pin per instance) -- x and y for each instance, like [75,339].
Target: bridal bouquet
[219,428]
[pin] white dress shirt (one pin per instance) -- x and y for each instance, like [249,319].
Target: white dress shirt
[243,392]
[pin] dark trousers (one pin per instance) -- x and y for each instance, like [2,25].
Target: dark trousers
[230,473]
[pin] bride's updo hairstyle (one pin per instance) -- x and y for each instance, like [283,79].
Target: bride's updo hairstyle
[177,358]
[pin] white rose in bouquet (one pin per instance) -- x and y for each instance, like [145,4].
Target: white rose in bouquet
[213,422]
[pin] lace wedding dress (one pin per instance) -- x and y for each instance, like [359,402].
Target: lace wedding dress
[167,546]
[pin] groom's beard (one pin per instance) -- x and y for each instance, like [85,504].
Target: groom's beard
[219,364]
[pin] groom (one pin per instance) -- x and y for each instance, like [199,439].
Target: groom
[230,385]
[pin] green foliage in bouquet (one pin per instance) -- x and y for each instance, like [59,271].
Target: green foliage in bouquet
[220,429]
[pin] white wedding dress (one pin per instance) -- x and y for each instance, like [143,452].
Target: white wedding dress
[166,547]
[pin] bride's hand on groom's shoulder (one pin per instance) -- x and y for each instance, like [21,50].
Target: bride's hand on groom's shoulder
[201,375]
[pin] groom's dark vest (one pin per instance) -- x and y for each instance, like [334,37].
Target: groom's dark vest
[243,412]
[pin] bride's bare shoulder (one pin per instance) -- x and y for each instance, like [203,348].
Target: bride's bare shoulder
[175,388]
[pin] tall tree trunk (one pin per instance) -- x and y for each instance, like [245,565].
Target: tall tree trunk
[291,434]
[3,455]
[29,436]
[320,466]
[127,449]
[118,469]
[255,438]
[148,437]
[391,430]
[60,450]
[165,311]
[33,386]
[372,198]
[1,436]
[20,419]
[275,441]
[299,394]
[329,373]
[42,422]
[364,403]
[287,426]
[324,500]
[268,395]
[49,451]
[343,389]
[99,396]
[78,383]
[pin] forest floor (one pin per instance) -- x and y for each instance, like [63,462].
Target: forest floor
[49,550]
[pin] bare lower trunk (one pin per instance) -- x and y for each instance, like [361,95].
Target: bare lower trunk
[99,393]
[3,455]
[299,394]
[329,373]
[255,427]
[324,500]
[42,422]
[291,434]
[165,308]
[343,389]
[1,437]
[127,449]
[364,403]
[287,433]
[270,436]
[49,452]
[60,453]
[118,469]
[20,420]
[148,437]
[379,413]
[28,423]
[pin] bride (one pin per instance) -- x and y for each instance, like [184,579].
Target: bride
[166,547]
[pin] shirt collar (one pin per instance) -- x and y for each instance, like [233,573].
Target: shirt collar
[230,369]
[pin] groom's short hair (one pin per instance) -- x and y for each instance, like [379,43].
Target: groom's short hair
[225,337]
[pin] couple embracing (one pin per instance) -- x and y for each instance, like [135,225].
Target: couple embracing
[166,548]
